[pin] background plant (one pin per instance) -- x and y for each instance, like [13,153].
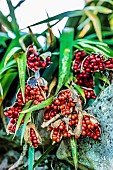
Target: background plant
[92,32]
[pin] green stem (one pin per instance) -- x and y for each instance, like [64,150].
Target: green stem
[30,158]
[73,143]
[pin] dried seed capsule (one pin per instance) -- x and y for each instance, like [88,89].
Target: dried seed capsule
[31,135]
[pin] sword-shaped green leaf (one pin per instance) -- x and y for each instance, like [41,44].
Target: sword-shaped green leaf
[39,106]
[102,77]
[73,143]
[21,62]
[6,82]
[66,44]
[100,9]
[96,23]
[41,158]
[80,91]
[60,16]
[24,125]
[28,104]
[11,53]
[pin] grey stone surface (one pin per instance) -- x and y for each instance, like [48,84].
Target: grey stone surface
[99,154]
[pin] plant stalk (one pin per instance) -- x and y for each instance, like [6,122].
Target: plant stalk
[73,143]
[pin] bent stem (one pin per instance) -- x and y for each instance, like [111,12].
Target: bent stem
[51,147]
[73,143]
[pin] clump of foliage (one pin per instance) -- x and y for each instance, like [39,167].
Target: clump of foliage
[58,80]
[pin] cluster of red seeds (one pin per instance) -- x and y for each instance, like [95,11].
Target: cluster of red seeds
[13,114]
[33,138]
[35,94]
[88,128]
[109,63]
[34,61]
[79,56]
[89,94]
[61,131]
[32,93]
[85,80]
[84,67]
[61,105]
[65,106]
[84,77]
[94,63]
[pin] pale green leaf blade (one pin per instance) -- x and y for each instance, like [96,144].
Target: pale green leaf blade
[96,23]
[11,53]
[11,64]
[80,91]
[100,9]
[27,105]
[39,106]
[102,77]
[21,61]
[27,117]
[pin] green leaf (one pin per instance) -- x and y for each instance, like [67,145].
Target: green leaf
[51,147]
[27,105]
[100,9]
[21,61]
[49,71]
[83,24]
[11,64]
[73,22]
[19,122]
[106,50]
[25,40]
[96,46]
[94,42]
[102,77]
[5,83]
[73,143]
[1,93]
[80,91]
[13,22]
[5,22]
[96,23]
[104,35]
[66,44]
[108,1]
[34,39]
[108,41]
[14,43]
[11,53]
[3,38]
[92,48]
[60,16]
[39,106]
[31,154]
[24,125]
